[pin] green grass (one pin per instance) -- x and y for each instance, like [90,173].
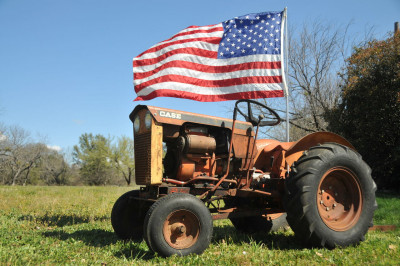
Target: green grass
[71,225]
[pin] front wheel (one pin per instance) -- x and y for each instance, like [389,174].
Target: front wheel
[178,224]
[330,197]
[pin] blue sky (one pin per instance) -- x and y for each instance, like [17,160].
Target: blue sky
[66,66]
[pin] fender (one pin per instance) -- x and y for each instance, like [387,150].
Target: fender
[313,139]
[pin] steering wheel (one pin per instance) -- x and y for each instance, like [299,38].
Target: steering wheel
[256,121]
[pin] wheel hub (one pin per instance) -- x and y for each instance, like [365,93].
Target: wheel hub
[339,199]
[181,229]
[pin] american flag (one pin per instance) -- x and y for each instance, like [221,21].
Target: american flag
[239,58]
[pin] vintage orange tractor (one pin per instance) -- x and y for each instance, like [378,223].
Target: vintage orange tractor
[194,169]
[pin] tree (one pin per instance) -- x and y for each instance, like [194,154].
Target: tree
[93,156]
[123,158]
[316,54]
[53,168]
[369,113]
[18,155]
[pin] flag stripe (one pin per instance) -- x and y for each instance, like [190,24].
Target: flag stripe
[189,50]
[209,97]
[209,83]
[200,45]
[208,69]
[207,39]
[208,61]
[210,76]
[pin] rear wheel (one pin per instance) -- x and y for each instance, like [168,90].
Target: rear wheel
[127,216]
[330,199]
[178,224]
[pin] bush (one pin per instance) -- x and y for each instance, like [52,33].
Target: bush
[369,114]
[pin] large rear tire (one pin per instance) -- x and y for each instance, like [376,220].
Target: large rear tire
[178,224]
[127,216]
[330,197]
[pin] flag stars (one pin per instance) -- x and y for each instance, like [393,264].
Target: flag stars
[251,35]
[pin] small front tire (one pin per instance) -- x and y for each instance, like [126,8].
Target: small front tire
[178,224]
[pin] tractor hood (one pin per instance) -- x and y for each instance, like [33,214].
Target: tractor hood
[175,117]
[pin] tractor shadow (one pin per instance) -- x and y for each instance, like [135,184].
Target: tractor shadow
[281,239]
[61,220]
[102,239]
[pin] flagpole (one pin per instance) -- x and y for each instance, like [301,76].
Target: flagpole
[285,54]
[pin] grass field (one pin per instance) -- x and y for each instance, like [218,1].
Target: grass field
[71,225]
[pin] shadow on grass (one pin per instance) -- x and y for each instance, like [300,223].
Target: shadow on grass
[61,220]
[102,238]
[276,240]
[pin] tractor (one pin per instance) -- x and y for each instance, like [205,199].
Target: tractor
[193,169]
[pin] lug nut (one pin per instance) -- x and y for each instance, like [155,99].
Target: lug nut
[322,202]
[334,205]
[327,208]
[322,191]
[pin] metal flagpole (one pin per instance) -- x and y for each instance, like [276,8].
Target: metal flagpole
[285,69]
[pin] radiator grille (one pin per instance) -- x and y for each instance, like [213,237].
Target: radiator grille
[143,158]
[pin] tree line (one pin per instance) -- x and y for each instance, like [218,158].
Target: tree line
[96,160]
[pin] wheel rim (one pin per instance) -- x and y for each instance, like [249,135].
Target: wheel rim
[181,229]
[339,199]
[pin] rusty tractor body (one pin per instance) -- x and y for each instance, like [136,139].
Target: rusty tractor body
[194,169]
